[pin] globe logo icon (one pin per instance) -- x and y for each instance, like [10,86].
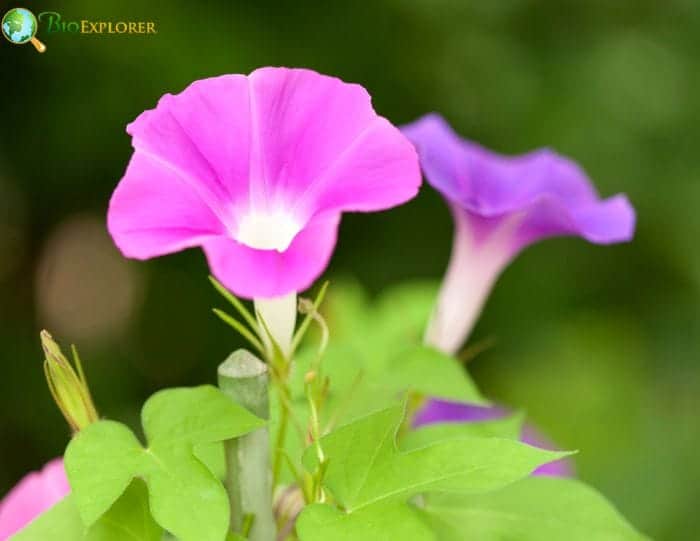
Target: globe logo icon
[19,26]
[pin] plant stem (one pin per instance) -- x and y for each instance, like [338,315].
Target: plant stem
[244,378]
[281,435]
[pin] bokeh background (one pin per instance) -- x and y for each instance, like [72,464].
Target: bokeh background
[600,345]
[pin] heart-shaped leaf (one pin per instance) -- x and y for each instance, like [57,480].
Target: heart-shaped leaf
[371,479]
[186,498]
[532,509]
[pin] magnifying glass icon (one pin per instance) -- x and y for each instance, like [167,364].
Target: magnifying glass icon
[19,26]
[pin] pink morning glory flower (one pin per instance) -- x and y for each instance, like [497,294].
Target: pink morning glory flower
[444,411]
[34,494]
[257,170]
[501,205]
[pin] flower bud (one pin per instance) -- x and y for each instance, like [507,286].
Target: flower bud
[68,385]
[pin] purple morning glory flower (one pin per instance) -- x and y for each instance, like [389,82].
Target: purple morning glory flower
[443,411]
[502,204]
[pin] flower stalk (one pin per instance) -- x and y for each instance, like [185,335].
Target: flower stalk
[244,378]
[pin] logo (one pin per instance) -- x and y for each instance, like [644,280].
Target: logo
[19,26]
[55,23]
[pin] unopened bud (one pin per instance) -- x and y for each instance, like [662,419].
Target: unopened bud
[306,306]
[309,376]
[68,385]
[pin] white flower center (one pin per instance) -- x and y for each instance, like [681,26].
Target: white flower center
[268,230]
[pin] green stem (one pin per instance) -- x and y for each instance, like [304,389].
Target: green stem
[281,436]
[244,378]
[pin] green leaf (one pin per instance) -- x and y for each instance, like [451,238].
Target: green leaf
[381,522]
[380,330]
[188,416]
[357,389]
[129,519]
[186,498]
[358,386]
[213,457]
[534,509]
[506,427]
[345,309]
[387,357]
[377,357]
[433,373]
[100,463]
[366,472]
[367,448]
[402,312]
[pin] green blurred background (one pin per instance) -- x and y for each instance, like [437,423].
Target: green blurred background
[599,344]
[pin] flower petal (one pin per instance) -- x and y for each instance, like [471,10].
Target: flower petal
[550,193]
[204,133]
[319,144]
[379,171]
[34,494]
[490,184]
[447,411]
[248,272]
[157,210]
[603,222]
